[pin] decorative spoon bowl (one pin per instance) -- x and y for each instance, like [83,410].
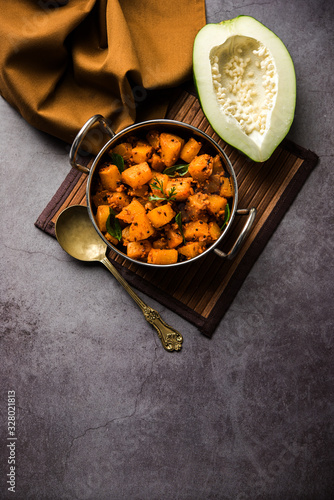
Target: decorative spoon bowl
[77,236]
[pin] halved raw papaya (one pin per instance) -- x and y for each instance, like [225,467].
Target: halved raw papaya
[246,84]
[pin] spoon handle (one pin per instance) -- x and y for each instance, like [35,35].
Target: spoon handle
[170,338]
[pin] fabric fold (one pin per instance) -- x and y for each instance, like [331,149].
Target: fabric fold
[62,62]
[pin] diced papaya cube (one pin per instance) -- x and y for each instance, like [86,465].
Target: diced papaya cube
[162,256]
[190,150]
[131,212]
[196,204]
[118,200]
[124,149]
[212,184]
[157,163]
[110,177]
[125,235]
[216,205]
[181,186]
[141,152]
[153,138]
[171,146]
[140,192]
[160,216]
[101,217]
[226,188]
[141,228]
[196,231]
[160,180]
[214,231]
[101,197]
[137,175]
[174,238]
[217,166]
[198,200]
[138,249]
[200,168]
[110,238]
[160,243]
[191,250]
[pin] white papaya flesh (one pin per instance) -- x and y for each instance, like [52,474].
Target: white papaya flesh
[246,84]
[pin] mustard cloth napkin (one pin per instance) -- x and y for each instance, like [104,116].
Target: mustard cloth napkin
[64,61]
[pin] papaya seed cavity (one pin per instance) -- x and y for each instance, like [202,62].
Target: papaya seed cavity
[244,80]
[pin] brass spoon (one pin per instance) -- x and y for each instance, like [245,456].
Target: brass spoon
[77,236]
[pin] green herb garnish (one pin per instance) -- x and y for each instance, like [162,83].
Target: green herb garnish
[118,160]
[178,219]
[226,216]
[113,225]
[176,169]
[170,196]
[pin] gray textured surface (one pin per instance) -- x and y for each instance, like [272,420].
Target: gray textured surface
[103,411]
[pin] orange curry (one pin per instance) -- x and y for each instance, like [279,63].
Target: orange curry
[161,199]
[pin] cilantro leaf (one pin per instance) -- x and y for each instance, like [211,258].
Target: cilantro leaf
[176,169]
[118,160]
[226,216]
[178,219]
[113,225]
[170,196]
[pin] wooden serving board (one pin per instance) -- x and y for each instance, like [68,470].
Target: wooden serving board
[203,291]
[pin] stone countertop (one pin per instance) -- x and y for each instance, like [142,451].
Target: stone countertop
[102,411]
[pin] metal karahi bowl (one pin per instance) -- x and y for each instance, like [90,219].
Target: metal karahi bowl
[162,125]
